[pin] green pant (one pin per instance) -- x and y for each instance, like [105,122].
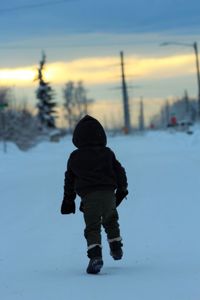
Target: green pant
[100,209]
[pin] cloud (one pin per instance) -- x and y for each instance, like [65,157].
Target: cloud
[103,70]
[99,16]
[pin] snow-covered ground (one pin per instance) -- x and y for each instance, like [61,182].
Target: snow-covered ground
[43,254]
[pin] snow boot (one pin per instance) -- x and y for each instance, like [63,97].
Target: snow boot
[96,262]
[116,250]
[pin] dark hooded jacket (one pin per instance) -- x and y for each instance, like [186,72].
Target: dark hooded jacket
[93,166]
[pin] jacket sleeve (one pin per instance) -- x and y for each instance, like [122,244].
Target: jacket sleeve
[69,184]
[120,174]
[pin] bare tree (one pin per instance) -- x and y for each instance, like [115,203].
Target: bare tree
[21,127]
[4,100]
[17,123]
[75,102]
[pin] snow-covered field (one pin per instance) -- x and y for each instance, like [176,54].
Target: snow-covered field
[43,254]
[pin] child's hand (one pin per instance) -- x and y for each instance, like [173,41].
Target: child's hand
[120,195]
[68,207]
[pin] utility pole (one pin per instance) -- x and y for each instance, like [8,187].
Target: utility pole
[141,125]
[195,47]
[167,113]
[127,124]
[198,75]
[186,99]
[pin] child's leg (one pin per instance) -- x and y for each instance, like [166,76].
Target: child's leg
[110,216]
[92,217]
[111,225]
[110,222]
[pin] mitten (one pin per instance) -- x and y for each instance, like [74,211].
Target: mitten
[120,195]
[68,207]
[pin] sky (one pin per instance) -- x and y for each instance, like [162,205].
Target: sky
[83,39]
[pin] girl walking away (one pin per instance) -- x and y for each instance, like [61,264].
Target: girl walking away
[94,173]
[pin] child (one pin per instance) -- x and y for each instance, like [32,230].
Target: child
[94,174]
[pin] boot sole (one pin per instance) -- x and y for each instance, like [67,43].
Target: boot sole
[116,256]
[95,267]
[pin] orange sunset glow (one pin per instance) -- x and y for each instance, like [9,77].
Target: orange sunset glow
[102,70]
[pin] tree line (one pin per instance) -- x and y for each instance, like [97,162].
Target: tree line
[25,129]
[184,109]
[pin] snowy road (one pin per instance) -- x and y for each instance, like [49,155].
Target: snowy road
[43,254]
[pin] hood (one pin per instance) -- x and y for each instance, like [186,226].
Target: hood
[89,132]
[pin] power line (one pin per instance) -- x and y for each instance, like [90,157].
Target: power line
[34,5]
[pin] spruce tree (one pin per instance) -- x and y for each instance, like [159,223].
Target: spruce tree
[45,95]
